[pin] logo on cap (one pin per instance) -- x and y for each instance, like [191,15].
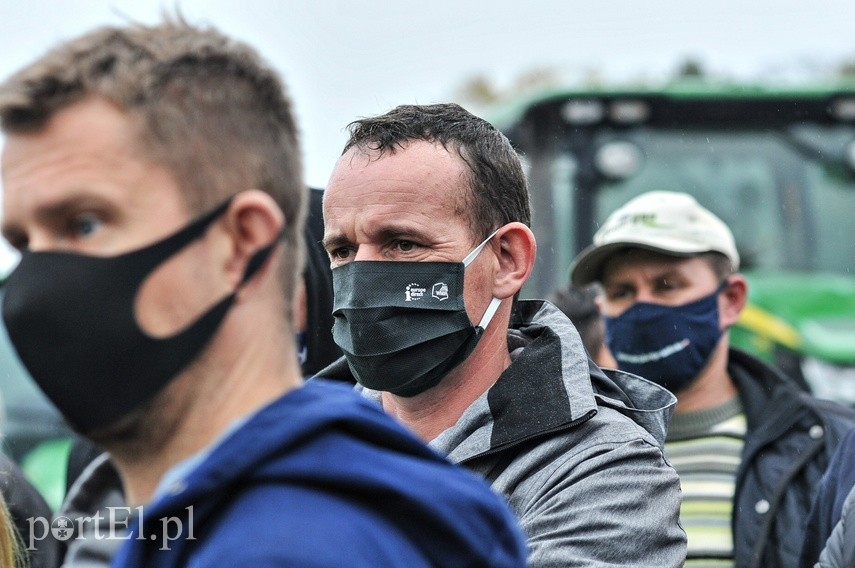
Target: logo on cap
[636,219]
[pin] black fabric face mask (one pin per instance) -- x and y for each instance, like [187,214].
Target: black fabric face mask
[403,325]
[71,319]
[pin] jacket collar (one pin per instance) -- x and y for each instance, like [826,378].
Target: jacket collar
[762,389]
[551,385]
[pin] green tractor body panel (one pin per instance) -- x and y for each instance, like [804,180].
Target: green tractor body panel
[45,467]
[810,313]
[776,164]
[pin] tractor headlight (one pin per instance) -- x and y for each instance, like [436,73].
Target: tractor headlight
[618,159]
[583,111]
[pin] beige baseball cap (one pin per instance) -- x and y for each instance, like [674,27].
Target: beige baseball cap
[663,221]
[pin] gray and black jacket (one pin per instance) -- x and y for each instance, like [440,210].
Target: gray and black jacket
[577,451]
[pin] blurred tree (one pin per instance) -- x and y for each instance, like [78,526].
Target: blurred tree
[691,68]
[847,68]
[480,90]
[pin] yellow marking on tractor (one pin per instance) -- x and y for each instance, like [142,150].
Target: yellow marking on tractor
[766,324]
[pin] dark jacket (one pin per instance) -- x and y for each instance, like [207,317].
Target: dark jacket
[576,452]
[95,504]
[322,477]
[790,440]
[321,350]
[30,514]
[834,489]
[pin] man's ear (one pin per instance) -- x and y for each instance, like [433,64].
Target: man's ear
[732,299]
[515,249]
[252,221]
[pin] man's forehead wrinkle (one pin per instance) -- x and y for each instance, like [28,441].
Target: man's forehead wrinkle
[24,166]
[388,225]
[38,197]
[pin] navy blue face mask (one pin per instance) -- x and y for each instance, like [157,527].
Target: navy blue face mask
[668,345]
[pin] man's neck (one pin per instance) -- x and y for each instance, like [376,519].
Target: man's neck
[713,387]
[432,412]
[192,412]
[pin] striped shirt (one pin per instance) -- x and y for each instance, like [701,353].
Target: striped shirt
[705,447]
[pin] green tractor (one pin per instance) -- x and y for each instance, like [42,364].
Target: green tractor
[777,165]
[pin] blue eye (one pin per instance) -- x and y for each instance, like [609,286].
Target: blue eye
[85,225]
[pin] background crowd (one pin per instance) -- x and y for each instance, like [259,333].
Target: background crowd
[266,375]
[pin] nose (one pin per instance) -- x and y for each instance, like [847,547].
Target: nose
[367,252]
[643,294]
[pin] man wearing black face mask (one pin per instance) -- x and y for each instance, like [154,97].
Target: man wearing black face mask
[750,446]
[426,224]
[99,487]
[152,183]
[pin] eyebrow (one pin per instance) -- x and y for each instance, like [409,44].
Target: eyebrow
[334,241]
[59,208]
[385,234]
[667,275]
[47,213]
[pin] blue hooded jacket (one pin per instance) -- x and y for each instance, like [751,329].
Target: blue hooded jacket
[323,477]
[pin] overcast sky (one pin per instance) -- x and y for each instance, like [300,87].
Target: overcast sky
[346,59]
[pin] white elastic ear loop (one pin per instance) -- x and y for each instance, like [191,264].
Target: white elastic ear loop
[495,302]
[477,250]
[489,313]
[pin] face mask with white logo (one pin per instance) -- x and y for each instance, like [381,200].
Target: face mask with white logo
[668,345]
[403,325]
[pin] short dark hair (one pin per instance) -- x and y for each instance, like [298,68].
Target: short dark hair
[498,189]
[720,264]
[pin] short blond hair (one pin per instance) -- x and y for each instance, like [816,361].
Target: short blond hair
[208,108]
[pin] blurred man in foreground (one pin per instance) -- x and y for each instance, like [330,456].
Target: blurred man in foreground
[749,445]
[94,488]
[152,183]
[426,224]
